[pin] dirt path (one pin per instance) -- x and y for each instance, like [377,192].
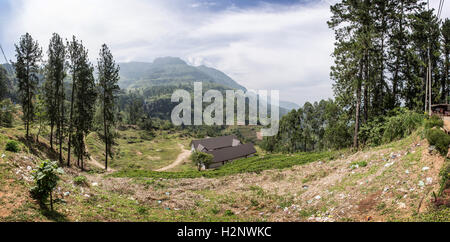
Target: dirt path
[94,162]
[181,157]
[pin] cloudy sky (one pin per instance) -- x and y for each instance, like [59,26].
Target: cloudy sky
[282,44]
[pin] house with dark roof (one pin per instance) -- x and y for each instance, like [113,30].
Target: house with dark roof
[224,149]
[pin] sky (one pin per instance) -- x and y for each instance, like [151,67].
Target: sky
[282,45]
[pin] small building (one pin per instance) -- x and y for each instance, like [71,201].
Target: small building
[224,149]
[441,109]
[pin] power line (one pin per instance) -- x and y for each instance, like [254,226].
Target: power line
[6,59]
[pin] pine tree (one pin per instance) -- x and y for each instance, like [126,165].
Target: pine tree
[445,79]
[84,107]
[108,76]
[28,56]
[54,85]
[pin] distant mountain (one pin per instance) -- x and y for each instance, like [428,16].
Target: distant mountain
[289,105]
[170,71]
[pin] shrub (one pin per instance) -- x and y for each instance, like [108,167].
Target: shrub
[439,139]
[46,178]
[12,146]
[434,121]
[401,125]
[6,113]
[201,158]
[80,180]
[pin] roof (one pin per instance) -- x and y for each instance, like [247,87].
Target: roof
[231,153]
[215,143]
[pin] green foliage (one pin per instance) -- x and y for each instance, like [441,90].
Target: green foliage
[252,164]
[46,178]
[401,125]
[439,139]
[395,126]
[201,158]
[12,146]
[28,55]
[80,180]
[434,121]
[445,176]
[6,113]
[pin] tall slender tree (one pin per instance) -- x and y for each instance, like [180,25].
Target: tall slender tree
[54,85]
[77,55]
[85,97]
[445,81]
[108,76]
[28,56]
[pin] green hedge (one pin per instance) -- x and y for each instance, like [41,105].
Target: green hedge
[439,139]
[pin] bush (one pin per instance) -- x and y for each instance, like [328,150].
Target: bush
[80,180]
[46,178]
[12,146]
[6,113]
[401,125]
[439,139]
[201,158]
[434,121]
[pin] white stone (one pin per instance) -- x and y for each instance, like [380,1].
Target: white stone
[425,168]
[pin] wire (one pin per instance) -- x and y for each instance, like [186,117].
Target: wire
[6,59]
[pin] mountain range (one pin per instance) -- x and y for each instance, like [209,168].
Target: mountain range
[174,71]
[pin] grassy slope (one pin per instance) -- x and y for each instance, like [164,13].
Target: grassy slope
[139,150]
[269,188]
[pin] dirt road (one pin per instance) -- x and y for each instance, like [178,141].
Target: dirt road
[184,155]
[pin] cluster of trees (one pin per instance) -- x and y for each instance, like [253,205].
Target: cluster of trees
[68,109]
[315,126]
[382,54]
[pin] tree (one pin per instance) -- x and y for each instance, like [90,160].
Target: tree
[3,83]
[84,107]
[28,55]
[108,76]
[46,178]
[78,58]
[54,86]
[201,159]
[445,33]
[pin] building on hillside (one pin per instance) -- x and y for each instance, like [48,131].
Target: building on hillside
[441,109]
[224,149]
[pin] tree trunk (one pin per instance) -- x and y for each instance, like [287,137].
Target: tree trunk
[51,201]
[358,107]
[51,134]
[70,118]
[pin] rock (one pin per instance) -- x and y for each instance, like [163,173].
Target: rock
[29,168]
[3,155]
[386,189]
[401,205]
[407,171]
[431,148]
[87,195]
[317,197]
[66,194]
[429,180]
[305,186]
[167,193]
[309,201]
[159,201]
[425,168]
[389,164]
[285,209]
[94,184]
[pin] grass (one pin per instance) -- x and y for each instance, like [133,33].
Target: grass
[252,164]
[136,149]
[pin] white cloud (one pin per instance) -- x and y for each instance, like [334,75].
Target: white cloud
[269,47]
